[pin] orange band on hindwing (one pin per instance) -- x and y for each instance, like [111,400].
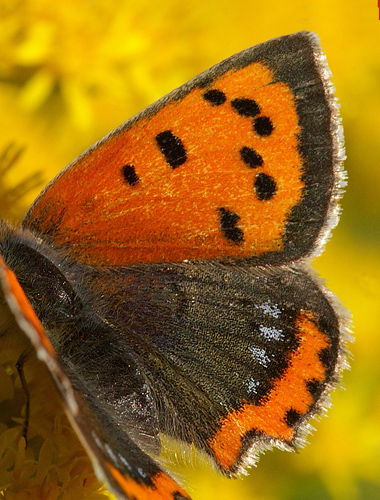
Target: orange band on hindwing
[289,393]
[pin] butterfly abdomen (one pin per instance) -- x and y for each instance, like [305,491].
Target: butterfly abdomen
[50,293]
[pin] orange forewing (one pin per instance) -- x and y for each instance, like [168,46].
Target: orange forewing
[171,214]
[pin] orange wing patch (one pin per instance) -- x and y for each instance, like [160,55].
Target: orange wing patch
[211,175]
[289,394]
[164,488]
[18,295]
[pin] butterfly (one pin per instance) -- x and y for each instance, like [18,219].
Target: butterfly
[163,275]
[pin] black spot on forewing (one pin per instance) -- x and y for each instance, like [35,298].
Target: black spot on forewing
[172,148]
[265,187]
[246,107]
[215,97]
[250,157]
[263,125]
[129,174]
[229,227]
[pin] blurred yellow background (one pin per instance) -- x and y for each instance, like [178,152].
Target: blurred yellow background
[70,71]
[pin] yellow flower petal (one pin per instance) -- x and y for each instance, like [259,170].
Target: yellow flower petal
[37,90]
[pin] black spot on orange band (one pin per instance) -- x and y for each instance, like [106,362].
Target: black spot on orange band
[293,417]
[250,157]
[325,357]
[265,187]
[228,225]
[215,97]
[315,388]
[129,174]
[246,107]
[172,148]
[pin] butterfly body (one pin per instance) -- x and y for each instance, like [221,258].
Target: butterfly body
[166,276]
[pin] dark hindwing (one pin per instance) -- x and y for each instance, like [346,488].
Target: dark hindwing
[130,473]
[224,346]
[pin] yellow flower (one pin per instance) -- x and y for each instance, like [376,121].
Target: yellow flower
[12,197]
